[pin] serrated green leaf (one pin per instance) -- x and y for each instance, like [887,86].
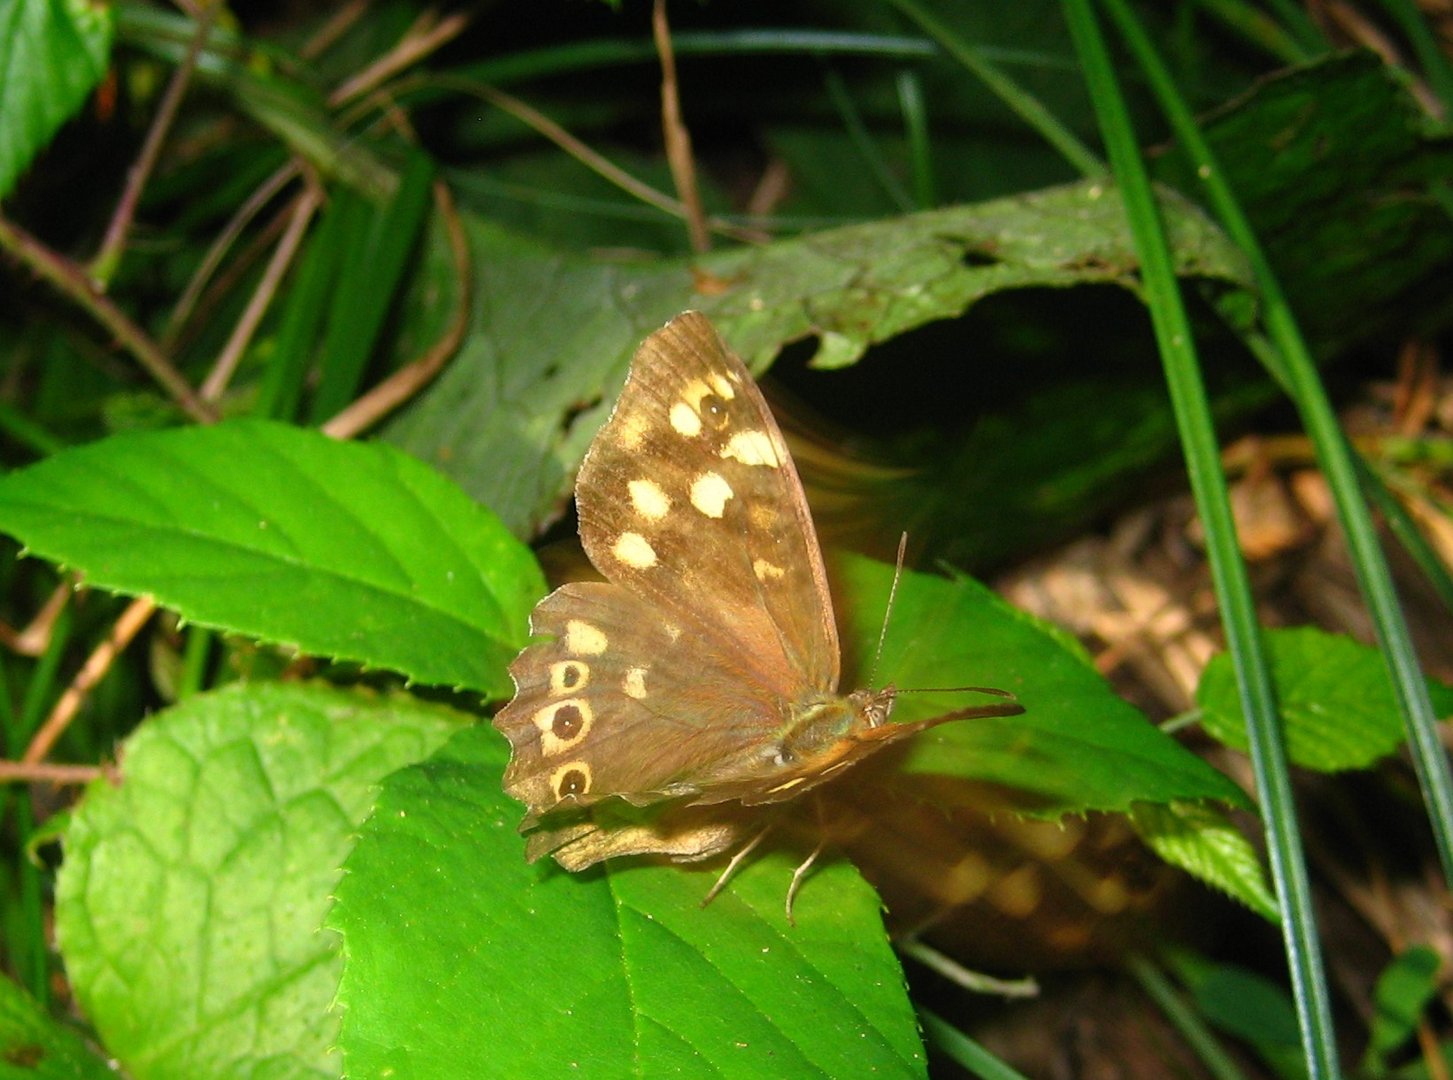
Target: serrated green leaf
[1336,701]
[1078,746]
[34,1047]
[553,333]
[52,54]
[189,904]
[345,550]
[618,972]
[1200,840]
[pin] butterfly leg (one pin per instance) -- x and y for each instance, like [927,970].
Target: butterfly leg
[797,877]
[731,867]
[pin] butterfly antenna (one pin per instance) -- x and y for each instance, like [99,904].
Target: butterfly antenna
[888,610]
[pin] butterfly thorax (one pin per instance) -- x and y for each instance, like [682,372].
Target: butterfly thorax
[819,723]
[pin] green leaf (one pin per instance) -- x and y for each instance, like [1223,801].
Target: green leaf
[615,972]
[1246,1005]
[553,333]
[35,1047]
[1341,171]
[1078,746]
[1403,991]
[189,904]
[1336,701]
[344,550]
[1203,842]
[52,54]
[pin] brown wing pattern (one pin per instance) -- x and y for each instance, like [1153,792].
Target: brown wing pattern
[688,499]
[620,701]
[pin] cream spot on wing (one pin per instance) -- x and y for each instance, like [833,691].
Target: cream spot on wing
[693,392]
[649,500]
[751,448]
[634,683]
[685,420]
[583,639]
[568,675]
[723,387]
[571,779]
[762,516]
[632,430]
[787,786]
[709,494]
[672,631]
[766,571]
[634,550]
[562,724]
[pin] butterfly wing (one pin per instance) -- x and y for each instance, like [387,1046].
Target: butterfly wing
[673,678]
[689,500]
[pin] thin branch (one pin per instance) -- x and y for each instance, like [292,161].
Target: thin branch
[94,669]
[328,34]
[42,772]
[104,264]
[418,42]
[407,381]
[576,149]
[678,138]
[239,221]
[34,639]
[282,258]
[74,283]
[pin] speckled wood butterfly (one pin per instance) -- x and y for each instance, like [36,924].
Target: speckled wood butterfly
[700,679]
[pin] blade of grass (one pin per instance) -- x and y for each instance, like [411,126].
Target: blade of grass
[1185,1020]
[958,1047]
[1259,28]
[1334,455]
[915,128]
[1228,571]
[1431,58]
[1020,100]
[862,141]
[364,293]
[25,936]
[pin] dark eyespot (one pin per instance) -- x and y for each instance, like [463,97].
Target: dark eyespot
[714,411]
[567,721]
[575,782]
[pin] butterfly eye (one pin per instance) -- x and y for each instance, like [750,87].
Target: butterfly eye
[714,411]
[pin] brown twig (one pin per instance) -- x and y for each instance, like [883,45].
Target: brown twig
[282,258]
[582,153]
[239,221]
[104,264]
[678,139]
[95,667]
[422,38]
[34,639]
[42,772]
[73,282]
[407,381]
[337,25]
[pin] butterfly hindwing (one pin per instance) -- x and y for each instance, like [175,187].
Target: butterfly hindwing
[618,701]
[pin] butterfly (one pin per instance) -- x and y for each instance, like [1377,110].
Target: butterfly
[699,681]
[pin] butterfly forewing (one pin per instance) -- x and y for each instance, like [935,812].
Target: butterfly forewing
[689,499]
